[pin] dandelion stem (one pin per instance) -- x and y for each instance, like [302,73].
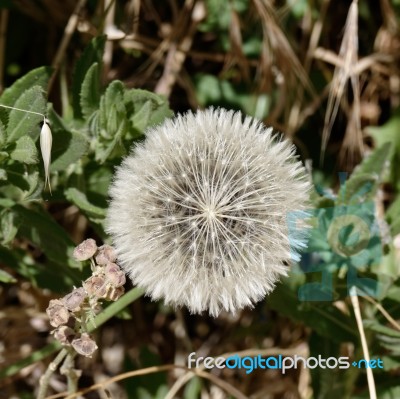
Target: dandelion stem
[22,110]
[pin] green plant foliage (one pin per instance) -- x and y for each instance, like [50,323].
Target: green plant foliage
[92,55]
[36,77]
[364,181]
[106,122]
[389,133]
[25,151]
[95,213]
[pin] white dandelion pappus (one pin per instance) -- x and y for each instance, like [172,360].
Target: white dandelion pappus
[198,212]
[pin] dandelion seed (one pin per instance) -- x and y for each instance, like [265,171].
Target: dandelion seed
[228,244]
[46,140]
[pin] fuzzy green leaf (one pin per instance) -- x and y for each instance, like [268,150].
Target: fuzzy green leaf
[9,226]
[93,53]
[17,177]
[40,228]
[112,109]
[22,123]
[365,179]
[37,77]
[68,146]
[25,151]
[145,109]
[3,135]
[389,133]
[80,200]
[90,91]
[110,149]
[112,122]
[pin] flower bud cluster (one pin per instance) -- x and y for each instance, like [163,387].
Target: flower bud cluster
[71,314]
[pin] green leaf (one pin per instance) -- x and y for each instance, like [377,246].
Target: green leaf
[22,183]
[22,123]
[44,275]
[3,135]
[35,187]
[93,53]
[112,122]
[389,389]
[25,151]
[112,109]
[41,229]
[391,363]
[193,388]
[37,77]
[16,174]
[6,277]
[68,146]
[324,318]
[80,200]
[381,329]
[9,226]
[389,133]
[90,91]
[364,181]
[106,150]
[145,109]
[326,383]
[393,216]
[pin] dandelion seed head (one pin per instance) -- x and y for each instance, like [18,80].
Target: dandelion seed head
[214,189]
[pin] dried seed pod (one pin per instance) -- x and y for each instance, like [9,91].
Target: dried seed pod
[105,255]
[64,334]
[115,276]
[74,300]
[114,293]
[95,286]
[84,345]
[85,250]
[57,312]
